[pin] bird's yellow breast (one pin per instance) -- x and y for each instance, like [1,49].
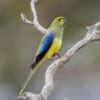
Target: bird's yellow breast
[54,48]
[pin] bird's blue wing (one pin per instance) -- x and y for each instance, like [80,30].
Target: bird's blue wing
[46,43]
[44,47]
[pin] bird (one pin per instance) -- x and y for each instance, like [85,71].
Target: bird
[48,48]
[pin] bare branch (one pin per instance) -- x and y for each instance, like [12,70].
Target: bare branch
[35,18]
[25,19]
[93,34]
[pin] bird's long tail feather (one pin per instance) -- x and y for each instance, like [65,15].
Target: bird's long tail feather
[32,72]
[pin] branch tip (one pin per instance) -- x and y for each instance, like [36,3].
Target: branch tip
[34,1]
[35,18]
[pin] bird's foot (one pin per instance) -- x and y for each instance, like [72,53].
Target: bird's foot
[55,56]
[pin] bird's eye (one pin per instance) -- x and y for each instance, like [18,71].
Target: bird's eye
[59,19]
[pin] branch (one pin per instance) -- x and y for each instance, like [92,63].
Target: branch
[35,18]
[93,34]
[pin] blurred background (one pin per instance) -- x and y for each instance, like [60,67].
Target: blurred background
[77,80]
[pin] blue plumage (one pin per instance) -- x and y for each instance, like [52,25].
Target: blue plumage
[47,42]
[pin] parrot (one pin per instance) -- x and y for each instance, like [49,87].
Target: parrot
[49,46]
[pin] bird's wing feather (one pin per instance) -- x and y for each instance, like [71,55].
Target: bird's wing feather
[44,46]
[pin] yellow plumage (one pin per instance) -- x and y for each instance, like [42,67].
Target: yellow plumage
[54,48]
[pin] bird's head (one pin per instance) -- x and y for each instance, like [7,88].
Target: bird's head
[59,22]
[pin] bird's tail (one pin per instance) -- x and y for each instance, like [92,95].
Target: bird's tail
[34,67]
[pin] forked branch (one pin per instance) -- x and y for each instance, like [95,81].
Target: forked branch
[93,34]
[35,18]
